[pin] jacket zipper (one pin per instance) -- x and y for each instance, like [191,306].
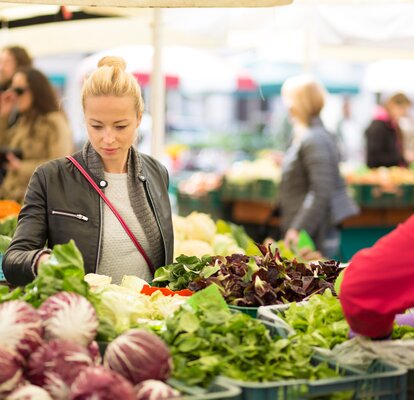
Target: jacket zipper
[100,236]
[158,221]
[73,215]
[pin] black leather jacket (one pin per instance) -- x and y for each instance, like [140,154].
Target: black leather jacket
[60,205]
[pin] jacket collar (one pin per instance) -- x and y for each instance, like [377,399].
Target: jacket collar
[93,162]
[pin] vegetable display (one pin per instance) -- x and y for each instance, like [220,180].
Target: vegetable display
[50,279]
[198,235]
[251,280]
[49,329]
[319,322]
[210,340]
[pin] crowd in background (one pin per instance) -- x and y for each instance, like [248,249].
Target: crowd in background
[34,127]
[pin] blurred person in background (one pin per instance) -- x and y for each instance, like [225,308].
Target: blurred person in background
[41,132]
[62,204]
[312,193]
[11,59]
[350,136]
[384,138]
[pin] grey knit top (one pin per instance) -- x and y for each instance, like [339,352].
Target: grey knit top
[119,255]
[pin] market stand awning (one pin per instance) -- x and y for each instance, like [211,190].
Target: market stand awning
[162,3]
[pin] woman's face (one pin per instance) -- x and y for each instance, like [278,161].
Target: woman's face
[22,92]
[8,66]
[111,123]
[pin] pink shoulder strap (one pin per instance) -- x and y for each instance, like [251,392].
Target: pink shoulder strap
[114,210]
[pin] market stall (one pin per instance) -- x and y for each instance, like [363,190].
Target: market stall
[79,336]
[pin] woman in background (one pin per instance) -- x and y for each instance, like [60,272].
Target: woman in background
[41,132]
[312,194]
[384,137]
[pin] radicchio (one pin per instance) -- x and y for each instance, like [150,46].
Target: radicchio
[20,327]
[56,364]
[69,316]
[11,370]
[99,383]
[152,389]
[29,392]
[139,355]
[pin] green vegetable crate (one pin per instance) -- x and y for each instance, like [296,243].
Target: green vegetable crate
[260,190]
[252,311]
[237,191]
[375,196]
[209,203]
[219,389]
[265,190]
[381,382]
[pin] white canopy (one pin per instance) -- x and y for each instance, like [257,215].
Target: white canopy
[161,3]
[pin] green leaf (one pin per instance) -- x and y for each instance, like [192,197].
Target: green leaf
[8,225]
[209,270]
[4,243]
[188,323]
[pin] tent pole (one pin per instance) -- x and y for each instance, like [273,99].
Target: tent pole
[157,89]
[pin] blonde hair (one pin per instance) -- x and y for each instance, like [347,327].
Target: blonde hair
[305,95]
[399,99]
[111,79]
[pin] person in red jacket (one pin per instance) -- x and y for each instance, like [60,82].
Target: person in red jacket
[379,284]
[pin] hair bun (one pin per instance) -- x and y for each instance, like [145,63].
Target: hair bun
[110,61]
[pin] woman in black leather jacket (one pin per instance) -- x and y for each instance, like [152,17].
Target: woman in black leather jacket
[60,204]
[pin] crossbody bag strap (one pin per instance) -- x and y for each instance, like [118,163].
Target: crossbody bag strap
[114,210]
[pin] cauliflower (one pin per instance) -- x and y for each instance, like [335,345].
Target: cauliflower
[200,227]
[179,227]
[194,248]
[225,245]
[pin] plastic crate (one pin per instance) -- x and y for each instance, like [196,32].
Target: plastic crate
[210,203]
[236,191]
[252,311]
[219,389]
[268,314]
[375,196]
[382,382]
[265,190]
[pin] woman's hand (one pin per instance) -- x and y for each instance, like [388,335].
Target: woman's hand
[42,258]
[13,163]
[292,238]
[7,102]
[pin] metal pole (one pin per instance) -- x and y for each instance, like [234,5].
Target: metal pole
[157,89]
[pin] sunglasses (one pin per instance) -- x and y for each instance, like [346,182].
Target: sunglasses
[19,90]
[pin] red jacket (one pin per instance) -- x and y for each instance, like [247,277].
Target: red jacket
[379,282]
